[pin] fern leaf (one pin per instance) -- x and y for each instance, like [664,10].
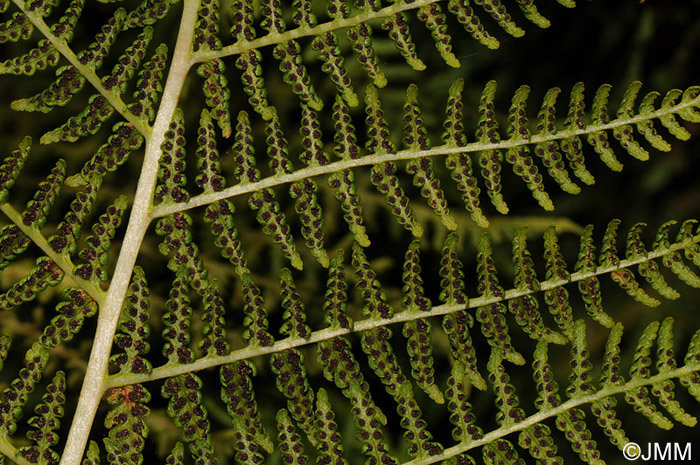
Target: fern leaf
[292,380]
[255,321]
[15,397]
[19,27]
[397,28]
[422,170]
[376,305]
[590,287]
[673,261]
[530,11]
[639,398]
[71,315]
[217,94]
[127,424]
[490,160]
[69,80]
[253,83]
[471,22]
[5,343]
[334,301]
[360,36]
[207,27]
[665,362]
[624,133]
[304,192]
[498,12]
[134,328]
[98,110]
[624,278]
[492,316]
[519,157]
[690,112]
[691,381]
[183,252]
[330,442]
[548,151]
[329,53]
[37,59]
[214,333]
[604,409]
[417,332]
[186,409]
[92,456]
[557,299]
[209,177]
[295,73]
[344,182]
[239,396]
[572,423]
[538,437]
[383,362]
[269,216]
[291,447]
[649,270]
[294,325]
[599,140]
[276,146]
[500,451]
[177,322]
[572,146]
[685,233]
[464,423]
[69,229]
[435,21]
[339,365]
[34,214]
[46,421]
[176,456]
[507,401]
[12,166]
[148,12]
[669,121]
[220,217]
[46,273]
[13,242]
[149,85]
[171,175]
[274,224]
[525,308]
[124,139]
[383,176]
[94,255]
[460,165]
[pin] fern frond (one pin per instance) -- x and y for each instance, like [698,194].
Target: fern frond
[12,166]
[126,424]
[98,110]
[94,255]
[69,80]
[46,421]
[330,442]
[292,380]
[134,328]
[15,397]
[383,175]
[71,315]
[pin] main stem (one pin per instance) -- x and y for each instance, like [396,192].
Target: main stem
[94,384]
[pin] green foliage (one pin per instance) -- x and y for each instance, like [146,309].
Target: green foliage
[265,232]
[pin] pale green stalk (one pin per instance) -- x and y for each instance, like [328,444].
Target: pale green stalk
[94,385]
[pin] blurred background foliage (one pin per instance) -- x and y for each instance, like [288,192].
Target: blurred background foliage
[656,42]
